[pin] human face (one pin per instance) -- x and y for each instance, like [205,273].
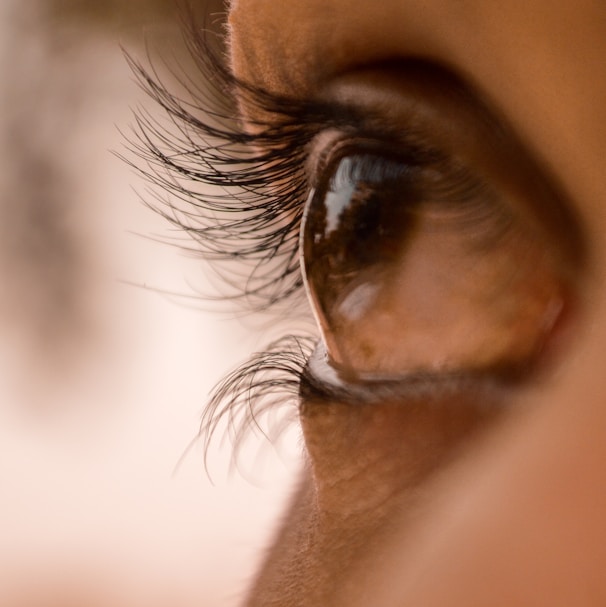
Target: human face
[480,494]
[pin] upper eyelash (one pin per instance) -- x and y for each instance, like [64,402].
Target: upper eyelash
[254,185]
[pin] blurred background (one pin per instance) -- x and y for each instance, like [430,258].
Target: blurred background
[103,375]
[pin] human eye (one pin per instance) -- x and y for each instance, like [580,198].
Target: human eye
[433,249]
[427,254]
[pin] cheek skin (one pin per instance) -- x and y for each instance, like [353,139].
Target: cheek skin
[367,466]
[363,456]
[516,518]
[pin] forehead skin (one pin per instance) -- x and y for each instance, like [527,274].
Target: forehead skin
[539,62]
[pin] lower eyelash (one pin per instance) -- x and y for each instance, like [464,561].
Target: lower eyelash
[259,397]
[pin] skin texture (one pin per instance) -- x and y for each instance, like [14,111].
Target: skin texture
[490,497]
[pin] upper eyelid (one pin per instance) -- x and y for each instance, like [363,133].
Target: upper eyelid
[487,144]
[330,146]
[409,127]
[324,112]
[324,116]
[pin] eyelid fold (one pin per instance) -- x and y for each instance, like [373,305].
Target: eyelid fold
[329,147]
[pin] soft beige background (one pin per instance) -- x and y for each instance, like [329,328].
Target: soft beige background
[102,379]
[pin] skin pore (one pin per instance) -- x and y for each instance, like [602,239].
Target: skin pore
[477,491]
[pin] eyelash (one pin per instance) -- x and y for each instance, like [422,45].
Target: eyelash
[249,213]
[239,218]
[260,396]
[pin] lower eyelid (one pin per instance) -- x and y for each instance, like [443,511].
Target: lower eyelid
[322,381]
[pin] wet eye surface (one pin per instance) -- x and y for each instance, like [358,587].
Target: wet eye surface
[415,263]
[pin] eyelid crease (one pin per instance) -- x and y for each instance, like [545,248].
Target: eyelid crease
[330,147]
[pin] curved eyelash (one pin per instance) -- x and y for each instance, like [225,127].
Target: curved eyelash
[236,192]
[259,397]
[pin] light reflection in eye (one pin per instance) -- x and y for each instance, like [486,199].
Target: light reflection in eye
[423,267]
[350,171]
